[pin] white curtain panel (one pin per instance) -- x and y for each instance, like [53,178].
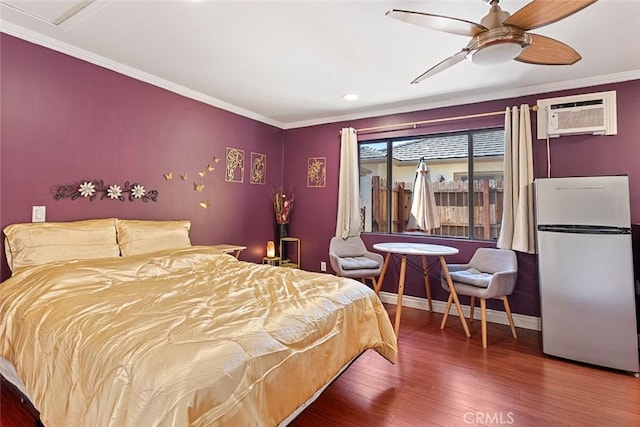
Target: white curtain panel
[517,231]
[348,221]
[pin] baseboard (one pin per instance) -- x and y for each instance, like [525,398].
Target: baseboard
[494,316]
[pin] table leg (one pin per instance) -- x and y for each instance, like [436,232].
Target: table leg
[378,285]
[454,294]
[403,272]
[427,285]
[445,316]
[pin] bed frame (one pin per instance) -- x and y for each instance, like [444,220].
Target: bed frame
[17,410]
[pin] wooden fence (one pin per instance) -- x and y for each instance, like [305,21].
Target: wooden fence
[452,200]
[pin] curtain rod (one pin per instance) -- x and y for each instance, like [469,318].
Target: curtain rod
[414,125]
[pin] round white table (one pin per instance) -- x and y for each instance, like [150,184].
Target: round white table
[423,251]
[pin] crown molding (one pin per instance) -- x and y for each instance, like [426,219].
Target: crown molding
[51,43]
[480,97]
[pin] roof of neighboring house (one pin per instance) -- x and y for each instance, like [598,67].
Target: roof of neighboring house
[485,144]
[368,152]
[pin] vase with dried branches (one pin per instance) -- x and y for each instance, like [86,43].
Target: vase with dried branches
[282,201]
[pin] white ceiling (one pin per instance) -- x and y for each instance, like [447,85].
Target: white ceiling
[288,63]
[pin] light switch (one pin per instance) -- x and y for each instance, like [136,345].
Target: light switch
[38,214]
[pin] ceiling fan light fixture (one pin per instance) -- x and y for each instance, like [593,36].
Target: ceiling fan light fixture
[497,46]
[496,53]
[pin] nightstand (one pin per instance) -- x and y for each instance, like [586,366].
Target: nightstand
[271,260]
[230,249]
[288,262]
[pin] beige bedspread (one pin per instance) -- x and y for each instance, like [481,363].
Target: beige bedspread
[182,337]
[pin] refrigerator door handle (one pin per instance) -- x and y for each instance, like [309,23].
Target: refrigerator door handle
[583,229]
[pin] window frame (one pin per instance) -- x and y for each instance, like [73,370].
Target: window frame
[470,160]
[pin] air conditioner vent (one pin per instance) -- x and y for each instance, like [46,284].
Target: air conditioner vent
[578,104]
[593,113]
[578,118]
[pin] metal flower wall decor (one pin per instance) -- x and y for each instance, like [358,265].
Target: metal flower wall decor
[91,189]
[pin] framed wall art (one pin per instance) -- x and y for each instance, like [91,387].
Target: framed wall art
[317,172]
[258,168]
[234,165]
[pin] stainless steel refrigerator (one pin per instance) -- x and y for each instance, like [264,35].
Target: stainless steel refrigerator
[585,267]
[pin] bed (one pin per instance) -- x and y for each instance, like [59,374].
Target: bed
[165,333]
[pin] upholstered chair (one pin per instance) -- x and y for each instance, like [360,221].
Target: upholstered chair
[491,273]
[350,258]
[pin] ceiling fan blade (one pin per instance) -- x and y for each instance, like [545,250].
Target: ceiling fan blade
[542,12]
[449,62]
[438,22]
[547,51]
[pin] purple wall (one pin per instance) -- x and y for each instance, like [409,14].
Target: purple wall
[65,120]
[315,217]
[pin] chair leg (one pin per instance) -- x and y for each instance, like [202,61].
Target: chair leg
[483,309]
[446,311]
[507,309]
[472,306]
[373,280]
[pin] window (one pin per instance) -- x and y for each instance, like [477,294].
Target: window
[387,174]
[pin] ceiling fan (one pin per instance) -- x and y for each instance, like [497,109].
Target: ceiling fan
[501,36]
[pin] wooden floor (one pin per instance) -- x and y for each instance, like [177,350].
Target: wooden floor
[444,379]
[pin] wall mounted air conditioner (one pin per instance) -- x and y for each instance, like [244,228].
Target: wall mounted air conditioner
[593,113]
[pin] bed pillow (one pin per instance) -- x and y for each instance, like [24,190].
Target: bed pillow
[139,237]
[37,243]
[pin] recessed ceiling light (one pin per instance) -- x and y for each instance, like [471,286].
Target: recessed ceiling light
[350,96]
